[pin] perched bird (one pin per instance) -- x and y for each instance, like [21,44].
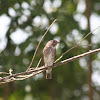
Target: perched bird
[49,53]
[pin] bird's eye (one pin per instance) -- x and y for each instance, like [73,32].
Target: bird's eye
[54,41]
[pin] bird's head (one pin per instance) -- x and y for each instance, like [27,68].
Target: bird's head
[53,43]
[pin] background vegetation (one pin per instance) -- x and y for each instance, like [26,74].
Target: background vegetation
[30,19]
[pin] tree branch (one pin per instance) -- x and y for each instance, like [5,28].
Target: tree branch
[39,44]
[34,72]
[76,45]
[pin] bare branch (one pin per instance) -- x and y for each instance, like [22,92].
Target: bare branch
[36,71]
[4,73]
[39,43]
[39,63]
[75,45]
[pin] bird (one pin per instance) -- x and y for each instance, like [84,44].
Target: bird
[49,53]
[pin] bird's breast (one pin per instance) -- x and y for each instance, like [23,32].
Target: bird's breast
[49,60]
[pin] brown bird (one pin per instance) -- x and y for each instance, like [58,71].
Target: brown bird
[49,53]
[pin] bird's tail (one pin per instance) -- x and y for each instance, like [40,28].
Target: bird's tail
[49,74]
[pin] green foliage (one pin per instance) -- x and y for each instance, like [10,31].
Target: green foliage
[69,79]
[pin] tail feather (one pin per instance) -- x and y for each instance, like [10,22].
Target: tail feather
[48,74]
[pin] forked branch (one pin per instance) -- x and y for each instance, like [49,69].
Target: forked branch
[25,75]
[39,44]
[76,45]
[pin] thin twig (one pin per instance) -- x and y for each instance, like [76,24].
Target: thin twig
[39,63]
[33,74]
[39,44]
[9,78]
[4,73]
[89,45]
[15,79]
[75,45]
